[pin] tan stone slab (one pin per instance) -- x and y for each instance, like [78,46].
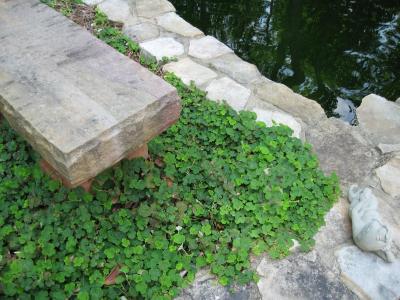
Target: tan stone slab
[82,105]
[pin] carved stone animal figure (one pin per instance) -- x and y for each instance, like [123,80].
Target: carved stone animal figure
[369,232]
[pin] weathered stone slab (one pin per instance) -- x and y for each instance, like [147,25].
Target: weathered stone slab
[236,68]
[269,117]
[387,148]
[92,2]
[226,89]
[207,47]
[188,71]
[82,105]
[368,275]
[118,11]
[174,23]
[142,31]
[153,8]
[284,98]
[380,119]
[389,176]
[162,47]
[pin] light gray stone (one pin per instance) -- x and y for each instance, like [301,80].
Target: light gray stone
[387,148]
[269,117]
[205,286]
[82,105]
[236,68]
[370,232]
[207,47]
[117,10]
[226,89]
[142,31]
[153,8]
[174,23]
[389,176]
[92,2]
[188,71]
[299,277]
[284,98]
[368,275]
[342,149]
[398,100]
[162,47]
[380,119]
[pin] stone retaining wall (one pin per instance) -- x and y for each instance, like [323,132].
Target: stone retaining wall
[367,155]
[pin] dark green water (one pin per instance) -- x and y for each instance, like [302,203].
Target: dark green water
[335,52]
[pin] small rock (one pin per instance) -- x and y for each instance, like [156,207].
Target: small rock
[142,31]
[270,116]
[153,8]
[92,2]
[380,119]
[174,23]
[368,275]
[387,148]
[232,92]
[188,71]
[284,98]
[162,47]
[398,100]
[236,68]
[117,10]
[389,176]
[207,47]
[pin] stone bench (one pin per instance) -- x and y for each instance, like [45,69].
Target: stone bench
[82,105]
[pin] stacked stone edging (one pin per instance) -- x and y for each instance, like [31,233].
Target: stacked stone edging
[367,155]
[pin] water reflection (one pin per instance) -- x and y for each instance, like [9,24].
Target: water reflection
[335,52]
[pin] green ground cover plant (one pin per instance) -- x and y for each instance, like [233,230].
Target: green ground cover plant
[218,187]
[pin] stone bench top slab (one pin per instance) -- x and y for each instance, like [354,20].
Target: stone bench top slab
[82,105]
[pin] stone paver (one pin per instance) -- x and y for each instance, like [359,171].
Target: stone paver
[389,176]
[153,8]
[117,10]
[226,89]
[284,98]
[368,275]
[269,117]
[174,23]
[387,148]
[92,2]
[236,68]
[188,71]
[207,47]
[162,47]
[142,31]
[380,118]
[82,105]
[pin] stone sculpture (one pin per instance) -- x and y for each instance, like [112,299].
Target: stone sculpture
[369,232]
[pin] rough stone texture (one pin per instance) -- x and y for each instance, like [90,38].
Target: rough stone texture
[188,71]
[117,10]
[398,100]
[174,23]
[389,176]
[226,89]
[368,275]
[270,116]
[162,47]
[207,47]
[92,2]
[236,68]
[341,148]
[142,31]
[206,287]
[82,105]
[380,119]
[298,277]
[153,8]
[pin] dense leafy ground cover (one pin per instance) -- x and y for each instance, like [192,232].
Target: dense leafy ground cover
[219,187]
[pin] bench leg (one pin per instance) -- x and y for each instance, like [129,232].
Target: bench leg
[142,151]
[49,170]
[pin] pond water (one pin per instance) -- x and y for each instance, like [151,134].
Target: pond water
[334,52]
